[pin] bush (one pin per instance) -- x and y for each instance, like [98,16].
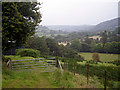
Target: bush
[28,52]
[116,62]
[96,57]
[92,62]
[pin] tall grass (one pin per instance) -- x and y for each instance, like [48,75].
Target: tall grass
[37,79]
[63,79]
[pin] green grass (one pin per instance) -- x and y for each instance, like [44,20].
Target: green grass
[63,79]
[25,79]
[103,57]
[36,79]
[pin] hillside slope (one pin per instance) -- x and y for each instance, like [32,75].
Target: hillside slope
[107,25]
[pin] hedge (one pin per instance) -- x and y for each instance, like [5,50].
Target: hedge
[27,52]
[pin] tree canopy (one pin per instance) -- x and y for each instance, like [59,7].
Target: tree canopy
[19,20]
[38,43]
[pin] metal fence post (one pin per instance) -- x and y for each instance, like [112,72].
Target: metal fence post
[105,80]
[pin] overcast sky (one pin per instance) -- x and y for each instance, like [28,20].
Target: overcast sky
[78,12]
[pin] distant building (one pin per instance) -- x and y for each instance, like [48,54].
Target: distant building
[64,43]
[95,37]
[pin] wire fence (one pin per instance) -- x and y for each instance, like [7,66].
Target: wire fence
[108,76]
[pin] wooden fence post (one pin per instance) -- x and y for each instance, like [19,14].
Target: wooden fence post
[57,62]
[88,74]
[9,64]
[105,80]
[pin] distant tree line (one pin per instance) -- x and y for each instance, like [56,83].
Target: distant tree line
[109,43]
[48,46]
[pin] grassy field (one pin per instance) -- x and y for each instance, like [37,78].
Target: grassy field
[103,57]
[27,79]
[65,79]
[36,79]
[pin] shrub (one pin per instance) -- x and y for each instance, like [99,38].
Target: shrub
[116,62]
[28,52]
[96,57]
[91,62]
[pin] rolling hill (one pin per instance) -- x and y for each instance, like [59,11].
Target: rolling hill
[107,25]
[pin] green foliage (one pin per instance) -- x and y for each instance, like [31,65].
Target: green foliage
[113,47]
[76,45]
[116,62]
[98,48]
[37,43]
[88,40]
[52,45]
[70,53]
[80,47]
[104,38]
[84,47]
[91,62]
[28,52]
[114,35]
[19,20]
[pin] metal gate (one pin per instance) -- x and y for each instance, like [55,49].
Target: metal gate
[44,64]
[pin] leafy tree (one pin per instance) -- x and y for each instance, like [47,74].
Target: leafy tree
[79,58]
[113,47]
[52,45]
[114,35]
[84,47]
[92,46]
[76,45]
[19,20]
[99,48]
[61,51]
[104,38]
[38,43]
[87,40]
[70,53]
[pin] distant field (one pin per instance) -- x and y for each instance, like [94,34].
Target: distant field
[103,57]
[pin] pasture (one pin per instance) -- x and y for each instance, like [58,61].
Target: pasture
[103,56]
[67,79]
